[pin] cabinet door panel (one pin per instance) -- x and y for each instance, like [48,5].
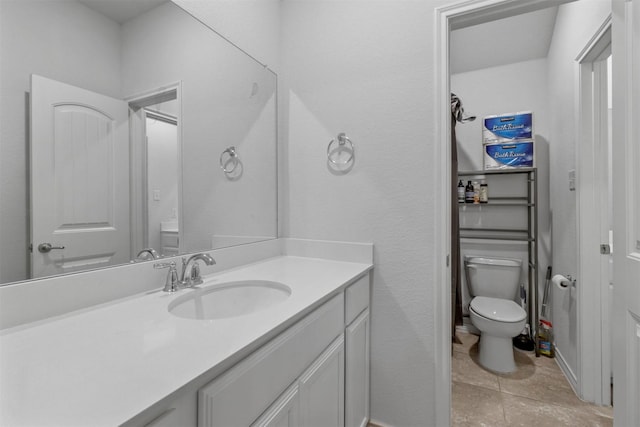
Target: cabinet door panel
[357,372]
[322,389]
[240,395]
[284,412]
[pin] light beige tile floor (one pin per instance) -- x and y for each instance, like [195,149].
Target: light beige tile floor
[537,394]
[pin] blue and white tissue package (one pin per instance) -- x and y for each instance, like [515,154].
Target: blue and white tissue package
[509,155]
[507,127]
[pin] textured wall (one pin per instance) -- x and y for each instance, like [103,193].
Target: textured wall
[503,89]
[253,25]
[228,99]
[576,23]
[366,68]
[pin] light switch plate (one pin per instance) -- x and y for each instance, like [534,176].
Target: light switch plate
[572,180]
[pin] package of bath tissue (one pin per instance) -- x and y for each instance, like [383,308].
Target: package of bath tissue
[509,155]
[507,127]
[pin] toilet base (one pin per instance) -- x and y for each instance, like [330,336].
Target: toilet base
[496,354]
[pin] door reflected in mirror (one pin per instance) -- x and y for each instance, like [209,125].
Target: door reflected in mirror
[100,185]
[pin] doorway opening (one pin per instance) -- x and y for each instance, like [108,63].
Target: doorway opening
[450,18]
[156,165]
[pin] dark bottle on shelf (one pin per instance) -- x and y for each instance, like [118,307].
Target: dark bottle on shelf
[469,193]
[460,192]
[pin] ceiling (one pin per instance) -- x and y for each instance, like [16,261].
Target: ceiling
[505,41]
[121,10]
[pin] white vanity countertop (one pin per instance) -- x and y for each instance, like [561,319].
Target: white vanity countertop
[103,366]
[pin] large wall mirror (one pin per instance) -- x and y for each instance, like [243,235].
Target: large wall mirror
[126,126]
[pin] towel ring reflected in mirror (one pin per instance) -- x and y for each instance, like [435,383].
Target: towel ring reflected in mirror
[229,160]
[343,144]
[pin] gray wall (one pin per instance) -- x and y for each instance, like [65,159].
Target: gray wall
[366,68]
[576,23]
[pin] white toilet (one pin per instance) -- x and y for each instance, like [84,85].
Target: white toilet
[493,284]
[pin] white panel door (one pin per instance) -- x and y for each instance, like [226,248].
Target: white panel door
[79,179]
[626,202]
[322,389]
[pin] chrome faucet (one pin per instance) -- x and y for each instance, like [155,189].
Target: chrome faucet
[171,284]
[144,254]
[191,269]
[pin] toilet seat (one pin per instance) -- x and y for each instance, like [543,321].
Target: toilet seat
[497,309]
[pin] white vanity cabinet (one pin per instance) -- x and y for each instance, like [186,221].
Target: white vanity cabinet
[314,374]
[357,334]
[357,371]
[285,412]
[316,399]
[322,389]
[334,391]
[240,395]
[302,362]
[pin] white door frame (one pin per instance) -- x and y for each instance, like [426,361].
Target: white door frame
[447,18]
[139,191]
[593,328]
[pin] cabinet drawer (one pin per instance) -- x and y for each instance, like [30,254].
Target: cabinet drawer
[241,394]
[356,298]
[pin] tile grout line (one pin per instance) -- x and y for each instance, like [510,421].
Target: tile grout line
[475,385]
[504,411]
[550,402]
[502,384]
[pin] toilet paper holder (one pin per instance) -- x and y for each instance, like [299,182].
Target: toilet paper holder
[571,280]
[564,278]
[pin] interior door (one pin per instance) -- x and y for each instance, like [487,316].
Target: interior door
[79,179]
[626,200]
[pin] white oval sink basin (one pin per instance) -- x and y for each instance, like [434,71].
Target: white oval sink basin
[230,299]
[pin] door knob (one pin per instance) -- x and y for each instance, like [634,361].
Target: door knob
[45,248]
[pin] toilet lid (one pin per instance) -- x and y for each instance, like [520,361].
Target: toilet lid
[501,310]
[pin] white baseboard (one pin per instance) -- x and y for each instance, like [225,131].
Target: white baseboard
[566,370]
[467,327]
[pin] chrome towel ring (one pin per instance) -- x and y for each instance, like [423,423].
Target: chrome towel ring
[344,143]
[229,156]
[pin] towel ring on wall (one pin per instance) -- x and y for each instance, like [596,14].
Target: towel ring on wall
[231,157]
[344,143]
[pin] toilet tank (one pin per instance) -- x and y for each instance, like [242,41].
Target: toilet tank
[493,277]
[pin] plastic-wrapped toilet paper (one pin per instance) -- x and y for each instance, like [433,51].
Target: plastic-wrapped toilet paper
[561,281]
